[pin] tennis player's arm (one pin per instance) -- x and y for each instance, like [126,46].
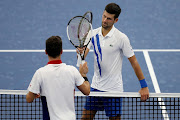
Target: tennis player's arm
[31,96]
[86,52]
[144,91]
[136,67]
[85,87]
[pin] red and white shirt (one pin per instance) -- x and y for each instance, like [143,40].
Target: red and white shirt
[57,82]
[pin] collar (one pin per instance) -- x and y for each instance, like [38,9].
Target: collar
[110,32]
[55,62]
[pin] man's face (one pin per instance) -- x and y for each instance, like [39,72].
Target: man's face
[108,20]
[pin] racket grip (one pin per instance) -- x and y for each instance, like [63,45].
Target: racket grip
[78,60]
[83,61]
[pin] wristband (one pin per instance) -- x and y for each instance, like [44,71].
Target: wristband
[86,79]
[143,83]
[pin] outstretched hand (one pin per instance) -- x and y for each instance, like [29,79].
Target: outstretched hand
[80,50]
[38,95]
[144,93]
[83,69]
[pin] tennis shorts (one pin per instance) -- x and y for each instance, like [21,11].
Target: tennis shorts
[111,105]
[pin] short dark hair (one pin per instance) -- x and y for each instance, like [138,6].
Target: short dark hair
[54,46]
[113,8]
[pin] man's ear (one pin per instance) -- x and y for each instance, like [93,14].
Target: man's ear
[61,51]
[116,20]
[46,52]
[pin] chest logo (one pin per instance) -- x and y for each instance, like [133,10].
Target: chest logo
[111,45]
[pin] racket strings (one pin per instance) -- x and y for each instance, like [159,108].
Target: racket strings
[78,29]
[84,30]
[88,15]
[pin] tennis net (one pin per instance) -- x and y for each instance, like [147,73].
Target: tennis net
[160,106]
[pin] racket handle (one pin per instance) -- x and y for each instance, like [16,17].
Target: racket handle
[83,61]
[78,63]
[78,60]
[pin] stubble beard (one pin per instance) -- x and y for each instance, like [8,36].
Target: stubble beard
[105,26]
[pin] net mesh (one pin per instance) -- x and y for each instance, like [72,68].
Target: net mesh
[13,106]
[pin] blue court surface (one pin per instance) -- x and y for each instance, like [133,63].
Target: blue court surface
[153,27]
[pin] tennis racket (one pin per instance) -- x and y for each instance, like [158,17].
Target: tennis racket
[79,32]
[88,15]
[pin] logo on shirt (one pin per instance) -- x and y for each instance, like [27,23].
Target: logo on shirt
[111,45]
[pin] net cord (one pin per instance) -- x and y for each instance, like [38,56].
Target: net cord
[102,94]
[113,94]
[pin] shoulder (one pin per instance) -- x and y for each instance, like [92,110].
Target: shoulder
[40,70]
[120,35]
[121,38]
[70,69]
[61,66]
[96,31]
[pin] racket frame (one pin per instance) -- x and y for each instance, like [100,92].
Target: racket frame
[90,28]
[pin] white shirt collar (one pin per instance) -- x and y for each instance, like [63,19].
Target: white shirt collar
[110,32]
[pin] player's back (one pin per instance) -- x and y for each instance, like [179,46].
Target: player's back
[58,86]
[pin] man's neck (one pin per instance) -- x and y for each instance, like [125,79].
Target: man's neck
[106,31]
[51,58]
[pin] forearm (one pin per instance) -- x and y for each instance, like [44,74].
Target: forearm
[144,91]
[83,69]
[136,67]
[138,71]
[140,75]
[85,87]
[30,97]
[86,52]
[87,84]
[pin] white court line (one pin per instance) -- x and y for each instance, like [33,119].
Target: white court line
[73,50]
[157,50]
[151,71]
[155,84]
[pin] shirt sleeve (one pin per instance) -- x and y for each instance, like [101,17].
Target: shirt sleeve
[78,78]
[127,48]
[34,85]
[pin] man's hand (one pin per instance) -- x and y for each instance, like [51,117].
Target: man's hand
[31,96]
[144,93]
[38,95]
[80,50]
[83,69]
